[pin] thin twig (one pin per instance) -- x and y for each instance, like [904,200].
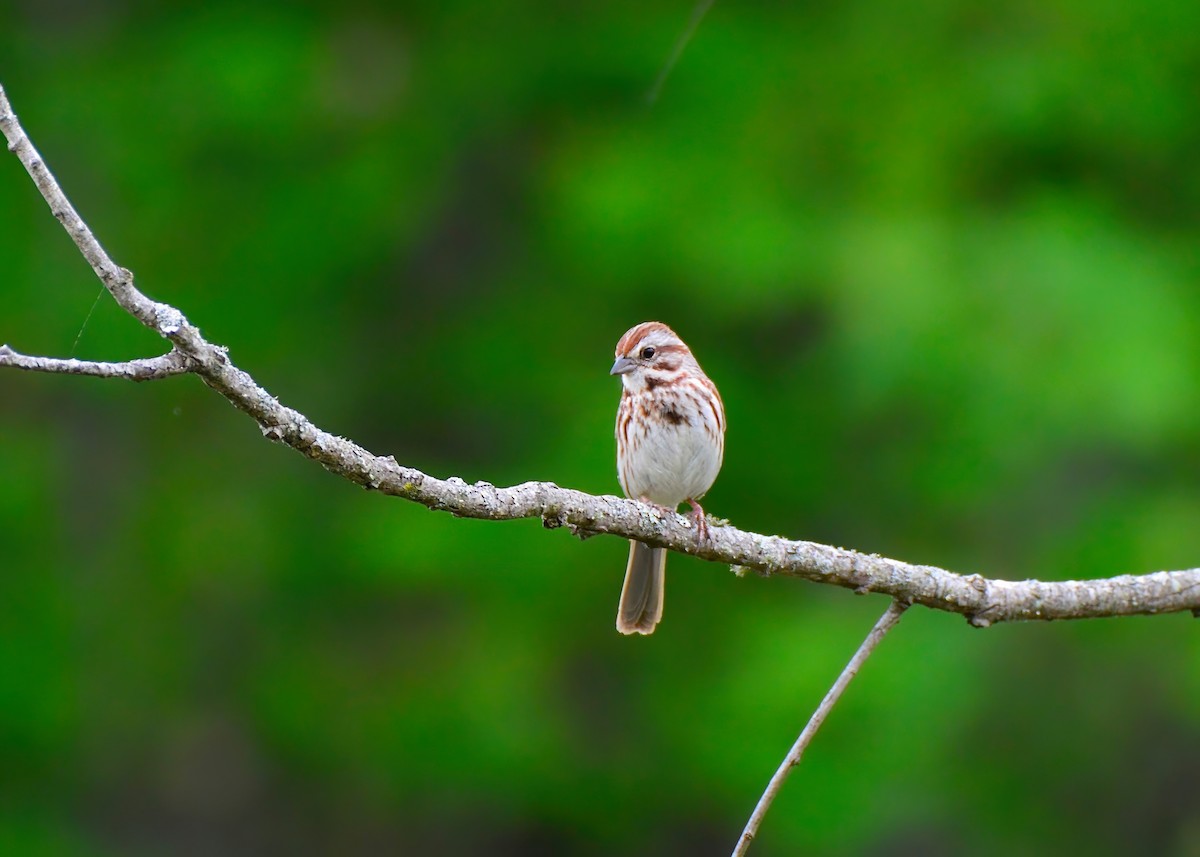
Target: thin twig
[886,622]
[698,12]
[982,600]
[145,369]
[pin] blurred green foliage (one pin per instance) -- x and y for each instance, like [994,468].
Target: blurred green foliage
[939,256]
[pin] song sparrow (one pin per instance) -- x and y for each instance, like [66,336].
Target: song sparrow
[670,443]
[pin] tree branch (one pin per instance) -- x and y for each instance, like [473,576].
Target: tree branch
[145,369]
[886,622]
[983,601]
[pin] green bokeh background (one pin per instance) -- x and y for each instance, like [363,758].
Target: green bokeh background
[940,258]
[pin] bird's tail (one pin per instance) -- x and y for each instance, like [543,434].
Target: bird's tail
[641,604]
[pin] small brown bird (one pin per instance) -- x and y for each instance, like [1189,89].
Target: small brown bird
[670,444]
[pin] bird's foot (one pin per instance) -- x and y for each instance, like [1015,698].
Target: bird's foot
[699,521]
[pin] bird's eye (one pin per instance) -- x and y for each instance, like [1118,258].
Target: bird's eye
[647,352]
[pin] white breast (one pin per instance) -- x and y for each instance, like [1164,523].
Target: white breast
[668,463]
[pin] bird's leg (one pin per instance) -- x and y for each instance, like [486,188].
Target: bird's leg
[700,522]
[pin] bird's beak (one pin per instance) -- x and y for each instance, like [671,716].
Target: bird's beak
[623,366]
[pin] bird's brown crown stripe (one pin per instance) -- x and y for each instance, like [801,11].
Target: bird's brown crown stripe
[634,336]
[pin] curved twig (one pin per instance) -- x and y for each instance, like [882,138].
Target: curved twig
[886,622]
[144,369]
[982,600]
